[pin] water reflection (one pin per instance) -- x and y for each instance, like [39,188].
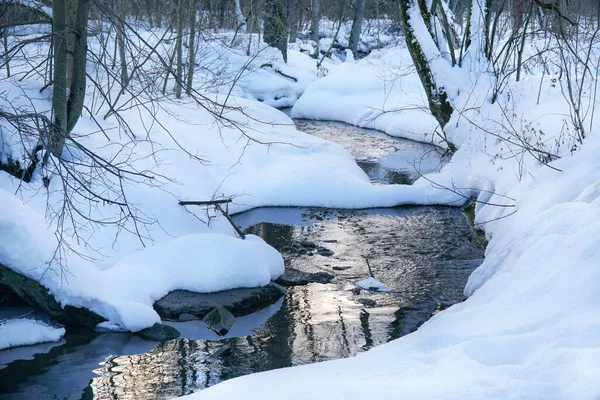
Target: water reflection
[385,159]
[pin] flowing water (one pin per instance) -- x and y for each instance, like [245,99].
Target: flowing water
[425,254]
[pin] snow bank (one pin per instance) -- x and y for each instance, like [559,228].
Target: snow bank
[125,293]
[119,269]
[24,332]
[530,329]
[381,91]
[531,326]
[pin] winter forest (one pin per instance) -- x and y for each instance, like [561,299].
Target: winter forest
[299,199]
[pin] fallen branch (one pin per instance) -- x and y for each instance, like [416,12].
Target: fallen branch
[204,203]
[269,65]
[217,205]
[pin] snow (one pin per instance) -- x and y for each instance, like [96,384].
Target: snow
[118,269]
[25,332]
[530,328]
[125,293]
[373,284]
[388,97]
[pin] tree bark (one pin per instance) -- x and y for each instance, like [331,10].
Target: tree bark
[293,19]
[276,26]
[359,13]
[70,49]
[314,24]
[438,99]
[179,50]
[122,13]
[191,48]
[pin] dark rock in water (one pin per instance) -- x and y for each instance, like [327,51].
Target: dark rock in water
[159,332]
[38,296]
[355,290]
[340,268]
[307,244]
[295,277]
[184,317]
[367,302]
[238,301]
[324,252]
[219,320]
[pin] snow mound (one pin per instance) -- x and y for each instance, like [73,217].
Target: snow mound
[388,97]
[125,293]
[24,332]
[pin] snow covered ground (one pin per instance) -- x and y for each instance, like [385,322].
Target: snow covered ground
[381,91]
[24,332]
[135,254]
[530,328]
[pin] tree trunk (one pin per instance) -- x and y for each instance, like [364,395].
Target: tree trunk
[191,48]
[276,26]
[359,13]
[59,97]
[239,16]
[79,77]
[179,50]
[438,99]
[293,19]
[70,49]
[314,24]
[122,13]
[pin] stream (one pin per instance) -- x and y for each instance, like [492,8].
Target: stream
[425,254]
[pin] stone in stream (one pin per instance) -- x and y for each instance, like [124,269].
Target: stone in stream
[219,320]
[325,252]
[295,277]
[308,245]
[369,303]
[159,332]
[185,317]
[336,268]
[238,301]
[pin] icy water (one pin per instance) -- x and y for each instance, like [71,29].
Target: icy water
[424,253]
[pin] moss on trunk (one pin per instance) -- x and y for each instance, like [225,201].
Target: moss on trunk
[438,99]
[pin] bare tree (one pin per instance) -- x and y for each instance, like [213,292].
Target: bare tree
[359,14]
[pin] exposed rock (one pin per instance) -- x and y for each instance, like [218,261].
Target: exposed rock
[38,296]
[307,244]
[238,301]
[219,320]
[355,290]
[159,332]
[324,252]
[336,268]
[295,277]
[184,317]
[367,302]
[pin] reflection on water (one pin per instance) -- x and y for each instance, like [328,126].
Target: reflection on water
[424,253]
[385,159]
